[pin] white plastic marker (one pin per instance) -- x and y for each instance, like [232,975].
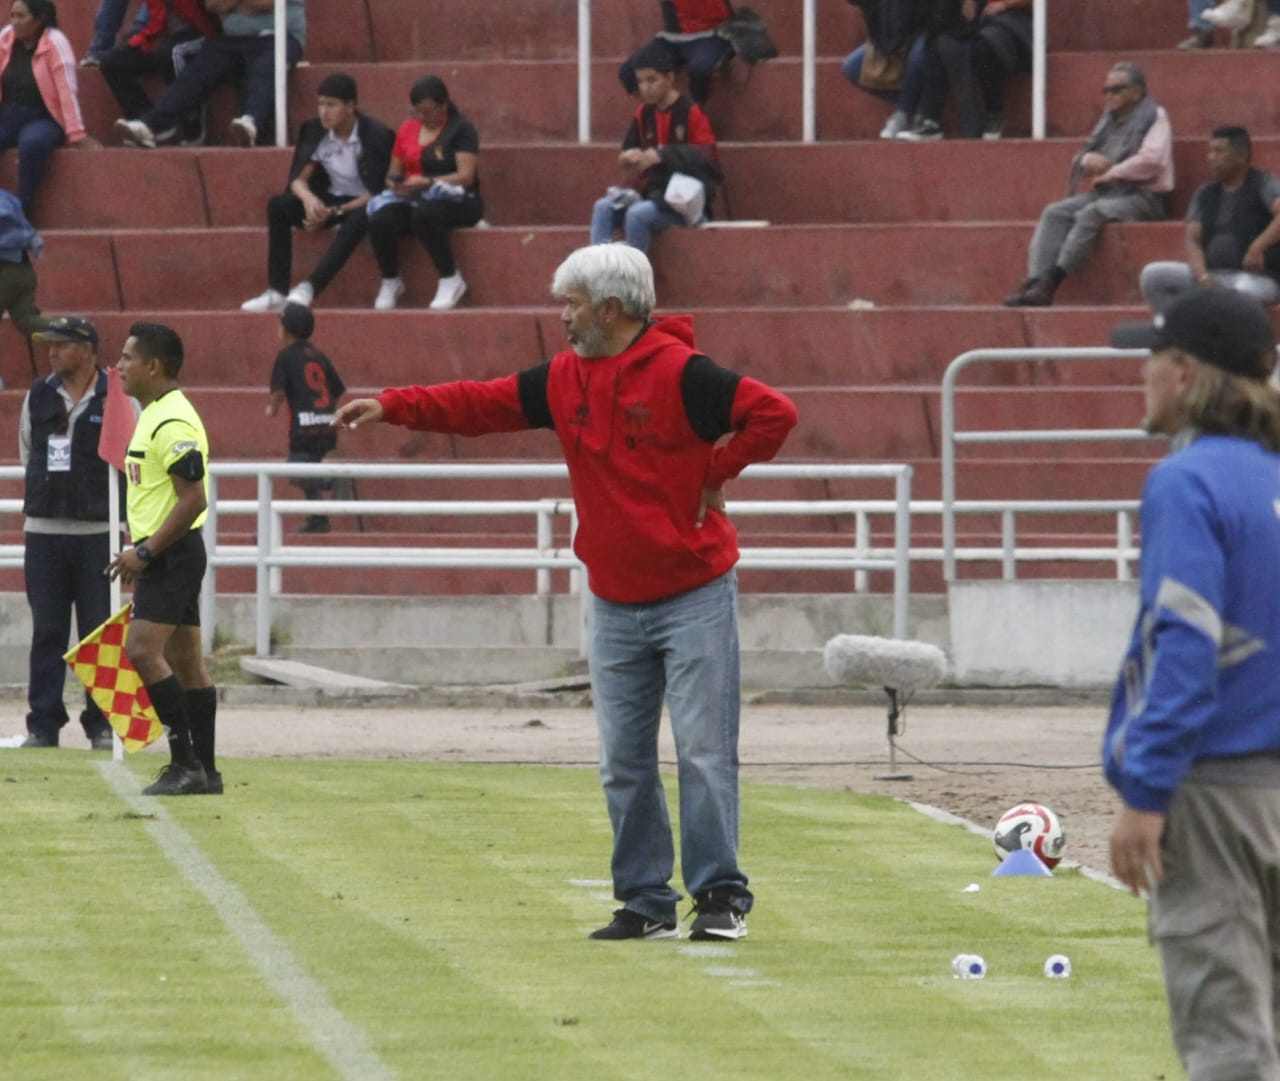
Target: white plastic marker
[344,1045]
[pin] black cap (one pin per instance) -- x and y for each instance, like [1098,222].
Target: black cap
[1217,326]
[67,328]
[298,320]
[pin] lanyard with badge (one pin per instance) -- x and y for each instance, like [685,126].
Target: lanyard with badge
[59,453]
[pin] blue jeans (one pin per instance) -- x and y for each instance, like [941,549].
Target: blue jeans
[686,648]
[638,222]
[907,97]
[107,23]
[36,138]
[62,572]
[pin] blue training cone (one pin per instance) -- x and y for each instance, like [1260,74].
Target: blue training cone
[1022,862]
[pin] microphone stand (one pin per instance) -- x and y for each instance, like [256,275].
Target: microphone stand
[896,710]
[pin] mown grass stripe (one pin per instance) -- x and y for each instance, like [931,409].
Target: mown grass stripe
[343,1044]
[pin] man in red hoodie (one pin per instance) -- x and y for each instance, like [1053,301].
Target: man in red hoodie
[642,418]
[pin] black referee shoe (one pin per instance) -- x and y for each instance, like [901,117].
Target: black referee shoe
[178,780]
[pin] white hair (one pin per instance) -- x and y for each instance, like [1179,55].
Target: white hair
[609,270]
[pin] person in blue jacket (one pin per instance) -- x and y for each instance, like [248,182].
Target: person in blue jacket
[1193,741]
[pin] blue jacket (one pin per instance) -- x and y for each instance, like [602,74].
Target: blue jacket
[1201,678]
[17,235]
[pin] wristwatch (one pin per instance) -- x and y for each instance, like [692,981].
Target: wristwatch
[143,553]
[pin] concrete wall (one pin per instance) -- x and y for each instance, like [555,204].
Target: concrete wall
[1065,634]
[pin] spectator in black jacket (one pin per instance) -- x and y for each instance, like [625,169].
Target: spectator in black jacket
[341,157]
[1233,230]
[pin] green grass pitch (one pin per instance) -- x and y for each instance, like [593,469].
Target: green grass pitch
[443,909]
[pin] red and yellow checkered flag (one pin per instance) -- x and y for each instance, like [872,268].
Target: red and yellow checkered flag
[102,665]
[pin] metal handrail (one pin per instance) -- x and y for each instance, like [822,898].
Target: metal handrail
[951,438]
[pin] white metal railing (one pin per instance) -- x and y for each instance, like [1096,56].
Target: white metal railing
[952,438]
[282,75]
[1039,65]
[270,553]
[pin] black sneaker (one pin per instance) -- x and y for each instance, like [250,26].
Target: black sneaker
[212,783]
[628,924]
[717,921]
[178,780]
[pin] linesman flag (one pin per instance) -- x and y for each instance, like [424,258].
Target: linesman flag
[102,665]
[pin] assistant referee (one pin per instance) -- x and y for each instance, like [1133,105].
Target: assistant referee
[168,495]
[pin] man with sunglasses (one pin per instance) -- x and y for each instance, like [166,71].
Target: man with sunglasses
[1120,174]
[66,532]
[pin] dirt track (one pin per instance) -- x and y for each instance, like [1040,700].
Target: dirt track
[982,760]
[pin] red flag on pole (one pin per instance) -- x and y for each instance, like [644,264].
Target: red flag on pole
[118,422]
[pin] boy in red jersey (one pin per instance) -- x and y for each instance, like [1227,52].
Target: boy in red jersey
[641,416]
[668,134]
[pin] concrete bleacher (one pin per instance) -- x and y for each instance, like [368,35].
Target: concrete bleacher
[882,261]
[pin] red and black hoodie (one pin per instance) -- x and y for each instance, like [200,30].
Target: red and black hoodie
[643,435]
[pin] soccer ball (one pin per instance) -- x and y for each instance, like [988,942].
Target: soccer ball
[1033,826]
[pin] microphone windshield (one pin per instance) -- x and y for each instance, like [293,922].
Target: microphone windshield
[884,662]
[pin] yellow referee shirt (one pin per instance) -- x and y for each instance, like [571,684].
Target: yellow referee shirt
[169,429]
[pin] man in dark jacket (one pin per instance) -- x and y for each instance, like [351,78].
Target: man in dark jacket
[66,541]
[339,161]
[1233,225]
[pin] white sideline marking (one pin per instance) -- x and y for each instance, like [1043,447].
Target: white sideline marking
[939,815]
[694,949]
[590,883]
[343,1044]
[736,973]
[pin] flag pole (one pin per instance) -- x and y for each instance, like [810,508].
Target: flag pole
[113,526]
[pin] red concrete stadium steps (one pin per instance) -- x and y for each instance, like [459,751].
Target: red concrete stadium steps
[405,30]
[794,346]
[882,182]
[761,105]
[786,266]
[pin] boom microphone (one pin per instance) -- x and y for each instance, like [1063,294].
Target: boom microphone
[884,662]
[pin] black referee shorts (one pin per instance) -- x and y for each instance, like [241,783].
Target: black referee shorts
[168,589]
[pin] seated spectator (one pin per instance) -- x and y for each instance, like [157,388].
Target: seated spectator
[305,379]
[970,61]
[340,158]
[19,244]
[1127,166]
[1242,17]
[689,35]
[39,101]
[1233,225]
[895,28]
[433,187]
[668,134]
[152,48]
[246,48]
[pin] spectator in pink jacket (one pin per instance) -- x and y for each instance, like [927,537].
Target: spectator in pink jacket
[39,103]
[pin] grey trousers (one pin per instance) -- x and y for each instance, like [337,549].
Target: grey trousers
[1069,228]
[1216,921]
[1162,283]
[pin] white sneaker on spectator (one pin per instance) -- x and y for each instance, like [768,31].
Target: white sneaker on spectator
[244,132]
[898,121]
[924,131]
[135,133]
[1230,14]
[391,290]
[303,293]
[448,293]
[1270,37]
[270,301]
